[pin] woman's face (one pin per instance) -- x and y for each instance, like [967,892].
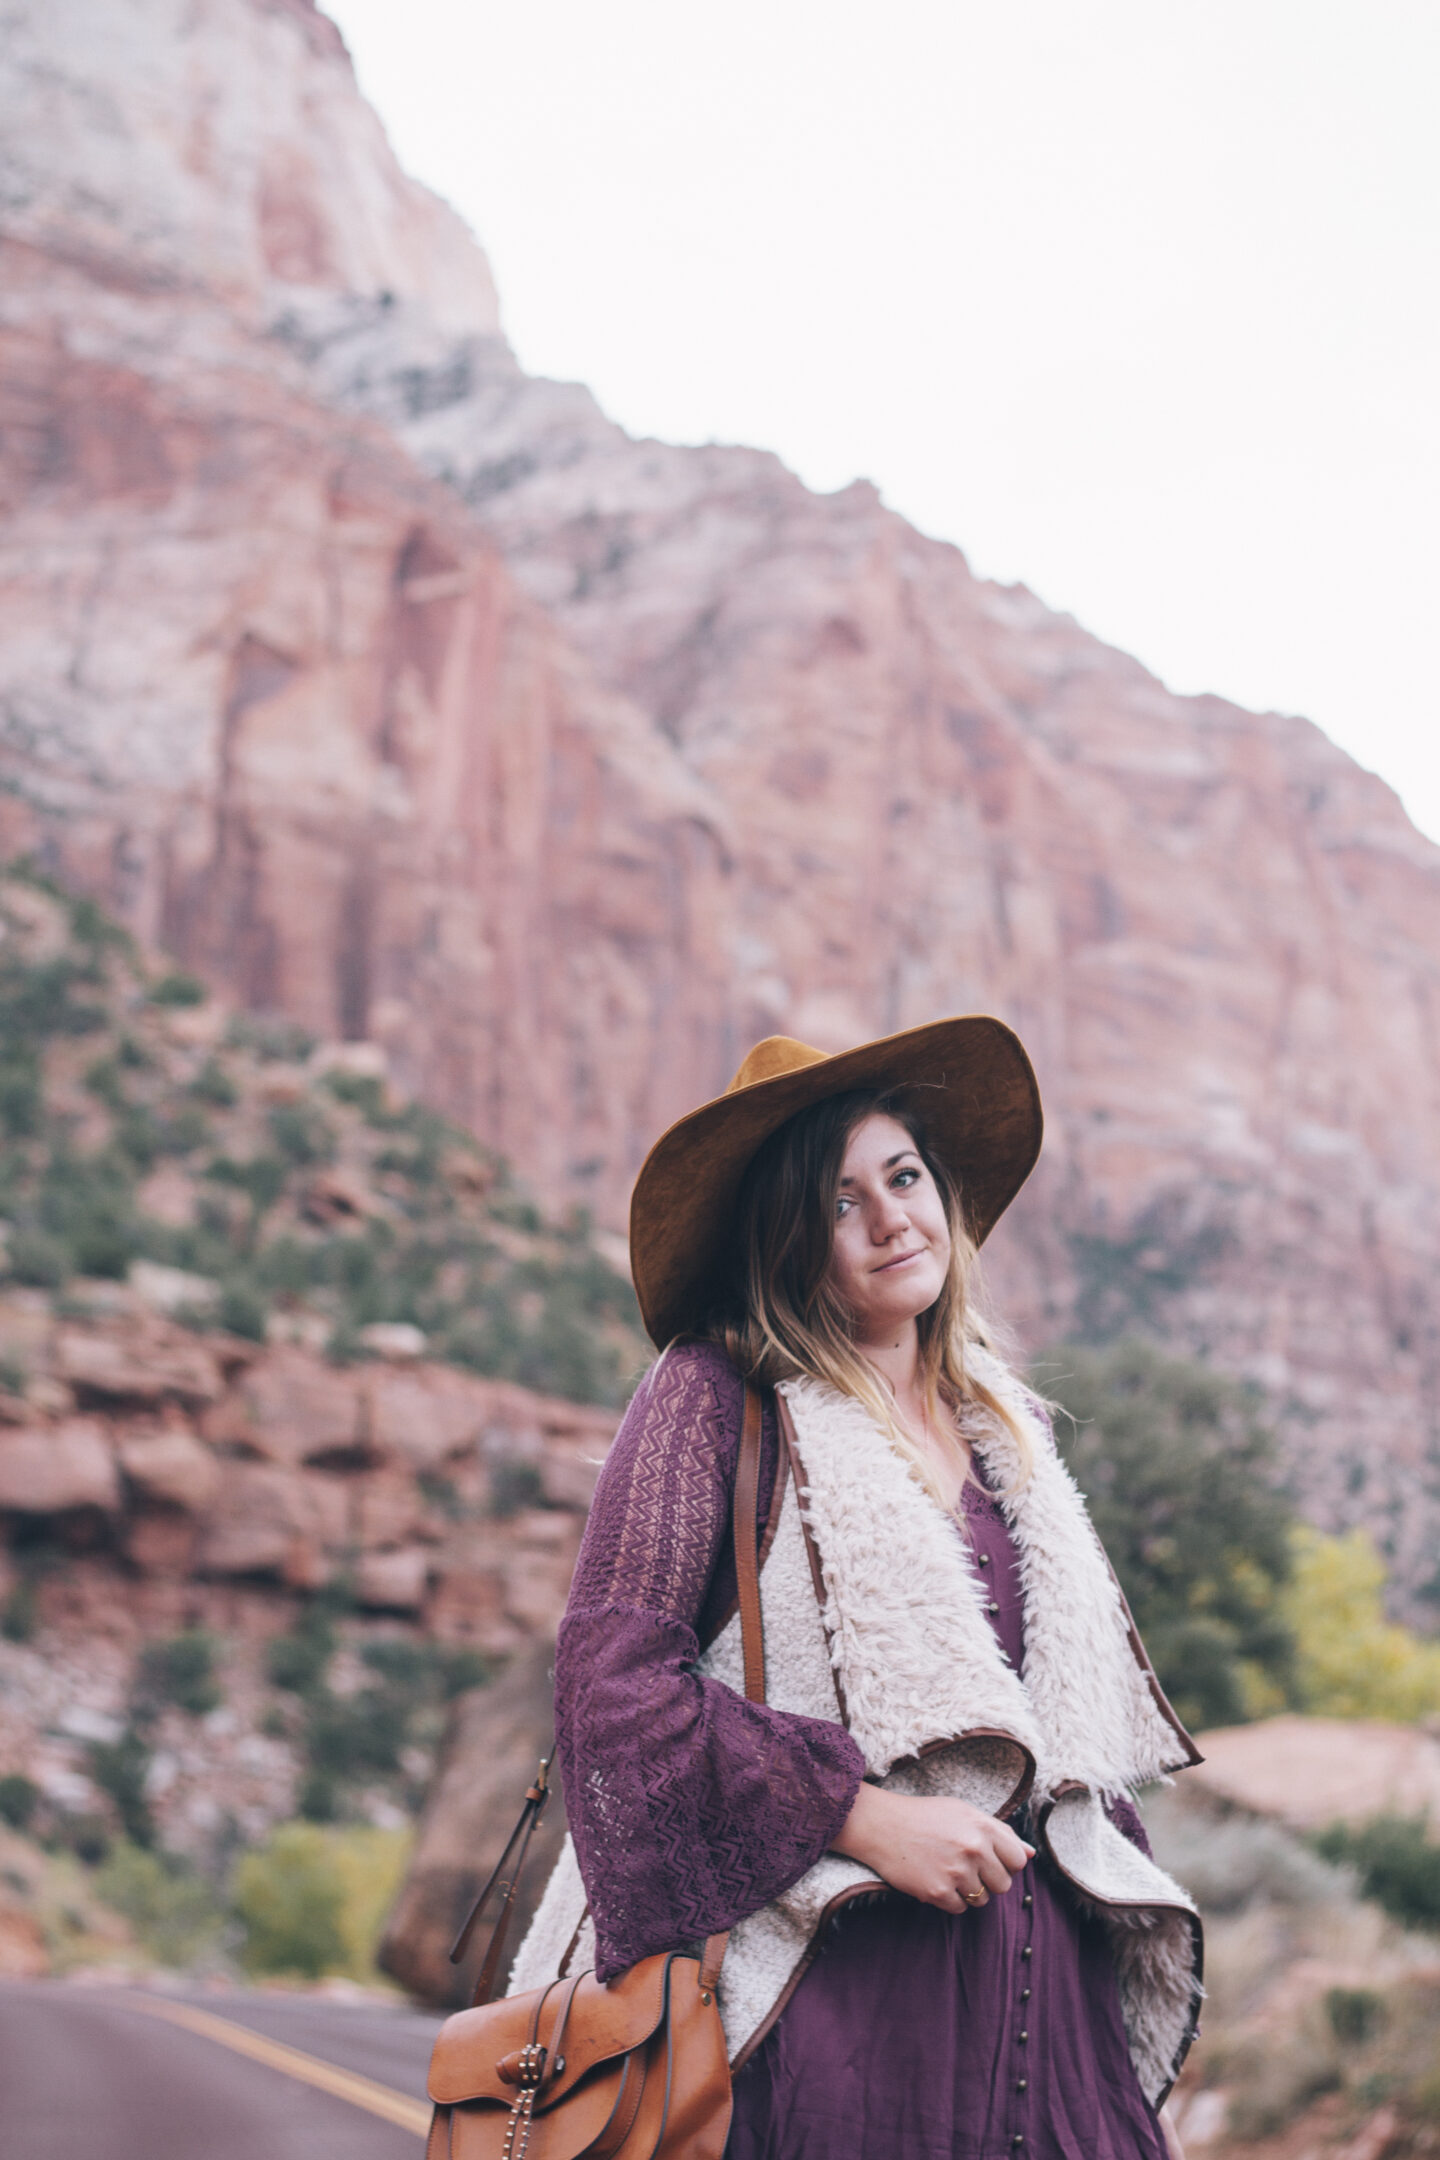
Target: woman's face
[892,1242]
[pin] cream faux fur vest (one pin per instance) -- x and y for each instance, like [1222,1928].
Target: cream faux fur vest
[936,1708]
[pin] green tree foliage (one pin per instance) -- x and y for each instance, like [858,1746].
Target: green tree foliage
[353,1739]
[120,1768]
[1397,1863]
[172,1908]
[1351,1660]
[19,1798]
[1180,1476]
[290,1898]
[181,1670]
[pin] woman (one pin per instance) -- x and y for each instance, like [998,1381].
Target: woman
[947,1935]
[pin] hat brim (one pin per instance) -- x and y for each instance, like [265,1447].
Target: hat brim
[982,1119]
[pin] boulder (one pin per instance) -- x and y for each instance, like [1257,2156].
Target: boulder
[395,1339]
[268,1520]
[424,1414]
[171,1465]
[394,1581]
[161,1542]
[138,1365]
[1310,1771]
[299,1409]
[171,1289]
[496,1736]
[389,1510]
[23,1955]
[48,1470]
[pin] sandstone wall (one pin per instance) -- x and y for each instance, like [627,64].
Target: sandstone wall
[740,758]
[205,1482]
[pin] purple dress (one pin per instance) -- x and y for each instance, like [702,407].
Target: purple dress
[915,2034]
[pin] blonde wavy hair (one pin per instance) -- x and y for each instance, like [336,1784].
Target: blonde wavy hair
[784,1316]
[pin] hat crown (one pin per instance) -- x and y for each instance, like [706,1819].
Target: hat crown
[769,1059]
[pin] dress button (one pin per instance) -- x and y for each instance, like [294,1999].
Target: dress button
[1021,2083]
[1024,1994]
[1022,2038]
[1027,1901]
[1019,2138]
[1027,1951]
[982,1559]
[992,1606]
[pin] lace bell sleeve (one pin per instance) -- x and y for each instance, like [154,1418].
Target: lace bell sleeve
[689,1806]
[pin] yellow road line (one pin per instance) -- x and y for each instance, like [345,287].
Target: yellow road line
[361,2092]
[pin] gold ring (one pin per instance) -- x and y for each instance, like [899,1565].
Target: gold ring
[974,1897]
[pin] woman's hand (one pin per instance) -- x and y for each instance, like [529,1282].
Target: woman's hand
[943,1852]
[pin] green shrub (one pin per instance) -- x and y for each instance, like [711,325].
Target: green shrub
[39,1261]
[425,1671]
[1181,1479]
[186,1129]
[171,1907]
[298,1661]
[178,988]
[272,1039]
[18,1617]
[105,1083]
[319,1797]
[86,1203]
[350,1736]
[181,1670]
[514,1485]
[139,1134]
[362,1091]
[261,1177]
[242,1311]
[87,1836]
[119,1768]
[213,1085]
[290,1897]
[21,1096]
[301,1134]
[19,1797]
[1355,2014]
[1397,1864]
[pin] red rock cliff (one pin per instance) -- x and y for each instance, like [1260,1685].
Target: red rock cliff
[572,768]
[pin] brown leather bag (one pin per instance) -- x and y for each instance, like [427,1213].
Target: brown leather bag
[635,2069]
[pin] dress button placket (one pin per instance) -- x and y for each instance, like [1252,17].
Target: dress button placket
[1022,2036]
[1021,2084]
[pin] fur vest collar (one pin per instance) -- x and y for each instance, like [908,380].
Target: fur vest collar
[905,1614]
[935,1708]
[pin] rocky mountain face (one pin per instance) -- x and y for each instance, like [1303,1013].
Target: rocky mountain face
[400,692]
[271,1487]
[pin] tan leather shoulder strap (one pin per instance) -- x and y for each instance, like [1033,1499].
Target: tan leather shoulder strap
[745,1517]
[812,1550]
[506,1877]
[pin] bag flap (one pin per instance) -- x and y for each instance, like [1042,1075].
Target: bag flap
[603,2021]
[480,2129]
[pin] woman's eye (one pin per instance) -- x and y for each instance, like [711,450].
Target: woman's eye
[907,1177]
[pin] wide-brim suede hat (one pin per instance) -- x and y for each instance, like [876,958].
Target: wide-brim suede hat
[982,1118]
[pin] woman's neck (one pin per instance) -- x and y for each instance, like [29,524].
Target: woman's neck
[897,1360]
[896,1357]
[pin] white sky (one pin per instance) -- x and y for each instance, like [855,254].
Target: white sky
[1136,300]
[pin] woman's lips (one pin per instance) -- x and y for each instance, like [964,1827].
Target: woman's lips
[900,1260]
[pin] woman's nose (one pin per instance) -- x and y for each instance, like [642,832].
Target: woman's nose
[889,1218]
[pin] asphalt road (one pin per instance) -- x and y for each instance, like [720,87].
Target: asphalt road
[109,2074]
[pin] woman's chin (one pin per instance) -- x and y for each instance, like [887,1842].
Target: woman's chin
[905,1302]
